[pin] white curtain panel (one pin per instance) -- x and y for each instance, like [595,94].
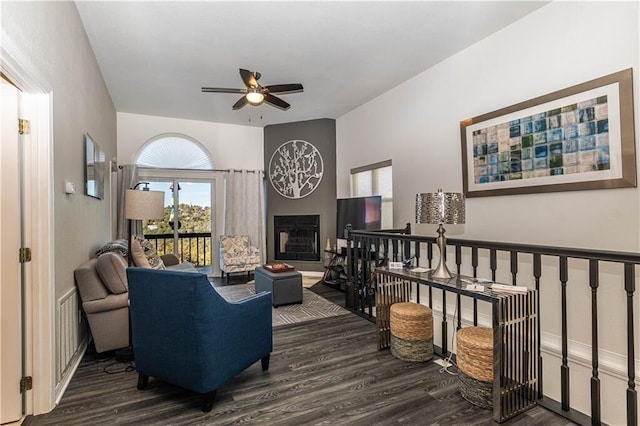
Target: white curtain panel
[244,207]
[128,179]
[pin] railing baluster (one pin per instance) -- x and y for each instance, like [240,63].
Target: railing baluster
[386,249]
[632,395]
[595,380]
[537,274]
[407,250]
[458,301]
[493,263]
[430,253]
[444,323]
[474,266]
[416,248]
[514,267]
[564,368]
[367,273]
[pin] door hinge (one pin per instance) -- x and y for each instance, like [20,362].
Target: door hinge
[26,383]
[23,126]
[25,255]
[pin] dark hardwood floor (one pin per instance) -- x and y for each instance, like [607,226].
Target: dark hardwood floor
[326,371]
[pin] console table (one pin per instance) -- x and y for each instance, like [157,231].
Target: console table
[514,324]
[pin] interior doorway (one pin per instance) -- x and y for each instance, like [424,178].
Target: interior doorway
[37,307]
[12,404]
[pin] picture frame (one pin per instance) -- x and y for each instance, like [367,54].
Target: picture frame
[578,138]
[95,164]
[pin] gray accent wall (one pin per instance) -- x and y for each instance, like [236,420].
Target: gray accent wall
[322,201]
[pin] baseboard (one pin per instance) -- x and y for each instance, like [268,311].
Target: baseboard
[312,274]
[70,371]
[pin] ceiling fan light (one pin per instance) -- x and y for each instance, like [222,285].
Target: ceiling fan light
[255,97]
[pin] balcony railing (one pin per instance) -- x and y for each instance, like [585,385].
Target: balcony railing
[569,280]
[194,247]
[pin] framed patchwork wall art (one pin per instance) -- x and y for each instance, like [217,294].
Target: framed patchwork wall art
[577,138]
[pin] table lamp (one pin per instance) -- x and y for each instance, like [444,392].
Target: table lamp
[439,208]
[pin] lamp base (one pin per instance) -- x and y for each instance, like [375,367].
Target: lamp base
[124,354]
[441,270]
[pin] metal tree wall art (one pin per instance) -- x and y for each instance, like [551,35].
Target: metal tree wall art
[296,169]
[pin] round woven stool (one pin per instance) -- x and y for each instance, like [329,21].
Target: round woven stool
[411,332]
[474,355]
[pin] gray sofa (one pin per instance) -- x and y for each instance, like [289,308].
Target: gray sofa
[102,283]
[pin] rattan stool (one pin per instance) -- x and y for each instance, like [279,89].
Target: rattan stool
[411,327]
[474,355]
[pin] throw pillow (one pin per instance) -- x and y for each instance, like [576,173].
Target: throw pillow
[137,253]
[118,246]
[154,260]
[112,269]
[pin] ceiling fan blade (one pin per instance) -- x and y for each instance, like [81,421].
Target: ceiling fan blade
[285,88]
[241,102]
[248,78]
[276,102]
[222,90]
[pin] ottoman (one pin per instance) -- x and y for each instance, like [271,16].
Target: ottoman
[285,287]
[411,327]
[474,356]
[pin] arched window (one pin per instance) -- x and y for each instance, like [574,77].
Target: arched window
[174,151]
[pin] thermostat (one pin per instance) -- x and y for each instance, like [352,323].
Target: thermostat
[69,187]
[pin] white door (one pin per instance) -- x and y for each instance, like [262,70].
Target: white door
[10,275]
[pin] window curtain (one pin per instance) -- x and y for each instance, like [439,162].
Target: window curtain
[128,179]
[245,207]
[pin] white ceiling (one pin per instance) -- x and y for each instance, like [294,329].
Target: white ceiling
[156,55]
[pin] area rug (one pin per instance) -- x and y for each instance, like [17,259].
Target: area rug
[307,281]
[312,307]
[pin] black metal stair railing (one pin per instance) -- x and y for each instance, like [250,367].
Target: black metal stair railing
[374,248]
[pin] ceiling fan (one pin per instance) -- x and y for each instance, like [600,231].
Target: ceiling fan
[255,94]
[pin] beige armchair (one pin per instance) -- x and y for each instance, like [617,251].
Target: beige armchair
[236,255]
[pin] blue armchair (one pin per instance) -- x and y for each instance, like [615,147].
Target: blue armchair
[186,334]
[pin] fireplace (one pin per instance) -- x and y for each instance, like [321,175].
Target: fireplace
[297,237]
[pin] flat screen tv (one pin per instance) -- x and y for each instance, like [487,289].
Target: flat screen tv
[361,213]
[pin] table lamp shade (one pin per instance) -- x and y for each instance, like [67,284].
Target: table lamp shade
[140,205]
[440,207]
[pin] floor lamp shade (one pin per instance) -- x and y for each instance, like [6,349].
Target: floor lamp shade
[140,205]
[440,208]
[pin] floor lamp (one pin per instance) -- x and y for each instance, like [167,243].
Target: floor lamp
[142,205]
[440,208]
[139,205]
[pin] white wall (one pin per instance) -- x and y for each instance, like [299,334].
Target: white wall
[231,146]
[51,35]
[416,125]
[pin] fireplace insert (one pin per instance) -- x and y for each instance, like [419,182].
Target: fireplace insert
[297,237]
